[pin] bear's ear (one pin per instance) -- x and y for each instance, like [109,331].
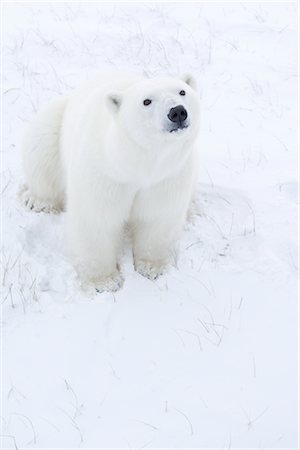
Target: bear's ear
[114,101]
[190,80]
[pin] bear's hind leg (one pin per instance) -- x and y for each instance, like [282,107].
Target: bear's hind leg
[44,187]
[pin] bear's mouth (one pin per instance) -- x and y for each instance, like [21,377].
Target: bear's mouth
[178,129]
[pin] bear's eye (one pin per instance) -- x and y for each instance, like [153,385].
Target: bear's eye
[147,102]
[182,93]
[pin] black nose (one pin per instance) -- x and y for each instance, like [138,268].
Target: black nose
[178,114]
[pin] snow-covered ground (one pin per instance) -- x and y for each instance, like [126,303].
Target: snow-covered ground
[206,357]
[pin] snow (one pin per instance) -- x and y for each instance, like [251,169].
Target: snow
[205,357]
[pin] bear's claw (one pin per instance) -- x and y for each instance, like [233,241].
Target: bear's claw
[110,284]
[151,270]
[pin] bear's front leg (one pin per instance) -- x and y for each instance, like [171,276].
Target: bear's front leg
[94,248]
[153,246]
[158,216]
[94,228]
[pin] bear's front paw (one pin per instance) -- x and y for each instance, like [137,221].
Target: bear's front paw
[112,283]
[151,269]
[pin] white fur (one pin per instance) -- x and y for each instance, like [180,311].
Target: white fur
[112,160]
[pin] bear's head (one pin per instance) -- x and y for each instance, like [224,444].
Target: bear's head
[157,111]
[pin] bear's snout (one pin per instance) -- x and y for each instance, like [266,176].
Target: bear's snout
[178,115]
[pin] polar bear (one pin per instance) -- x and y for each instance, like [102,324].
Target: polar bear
[121,150]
